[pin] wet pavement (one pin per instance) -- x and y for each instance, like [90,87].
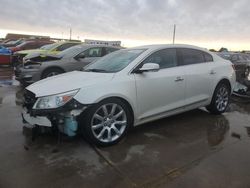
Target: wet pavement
[194,149]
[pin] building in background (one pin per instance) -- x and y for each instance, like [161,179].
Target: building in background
[14,36]
[102,42]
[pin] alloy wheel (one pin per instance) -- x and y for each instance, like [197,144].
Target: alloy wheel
[222,99]
[109,122]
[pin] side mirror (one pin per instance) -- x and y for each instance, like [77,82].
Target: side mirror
[149,67]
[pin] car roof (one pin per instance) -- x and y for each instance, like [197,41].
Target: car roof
[97,45]
[158,46]
[65,42]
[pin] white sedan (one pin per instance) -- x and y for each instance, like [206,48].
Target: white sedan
[128,88]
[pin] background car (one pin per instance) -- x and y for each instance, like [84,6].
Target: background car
[241,63]
[43,51]
[12,43]
[5,56]
[74,58]
[130,87]
[29,44]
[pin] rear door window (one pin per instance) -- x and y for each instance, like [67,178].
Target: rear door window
[208,57]
[188,56]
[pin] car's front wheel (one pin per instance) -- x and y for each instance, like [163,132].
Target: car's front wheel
[220,100]
[107,122]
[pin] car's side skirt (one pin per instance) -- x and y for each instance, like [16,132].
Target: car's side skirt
[175,111]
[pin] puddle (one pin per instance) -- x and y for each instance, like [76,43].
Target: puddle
[7,77]
[12,82]
[6,82]
[9,100]
[242,107]
[217,132]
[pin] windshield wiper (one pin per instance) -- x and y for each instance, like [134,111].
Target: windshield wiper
[94,70]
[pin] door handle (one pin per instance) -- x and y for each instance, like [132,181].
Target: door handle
[212,72]
[179,79]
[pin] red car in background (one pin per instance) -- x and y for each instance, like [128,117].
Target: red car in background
[27,45]
[6,58]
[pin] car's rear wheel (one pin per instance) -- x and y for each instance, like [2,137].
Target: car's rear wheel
[107,122]
[220,100]
[51,72]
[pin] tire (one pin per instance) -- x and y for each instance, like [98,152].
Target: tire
[103,126]
[220,100]
[51,72]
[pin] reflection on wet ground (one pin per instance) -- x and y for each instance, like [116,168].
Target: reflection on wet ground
[194,149]
[7,77]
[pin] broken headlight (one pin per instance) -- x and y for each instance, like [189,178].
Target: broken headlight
[54,101]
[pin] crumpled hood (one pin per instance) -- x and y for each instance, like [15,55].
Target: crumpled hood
[36,54]
[68,82]
[40,51]
[41,58]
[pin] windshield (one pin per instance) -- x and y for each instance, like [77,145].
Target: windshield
[13,42]
[225,56]
[71,52]
[22,44]
[115,61]
[49,46]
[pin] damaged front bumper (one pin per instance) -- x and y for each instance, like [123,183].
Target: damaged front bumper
[31,122]
[63,118]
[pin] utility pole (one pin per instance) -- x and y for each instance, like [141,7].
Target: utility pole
[174,34]
[70,33]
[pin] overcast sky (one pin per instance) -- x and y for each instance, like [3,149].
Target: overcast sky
[206,23]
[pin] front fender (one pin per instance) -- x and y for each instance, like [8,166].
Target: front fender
[94,94]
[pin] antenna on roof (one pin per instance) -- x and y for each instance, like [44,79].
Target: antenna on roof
[174,34]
